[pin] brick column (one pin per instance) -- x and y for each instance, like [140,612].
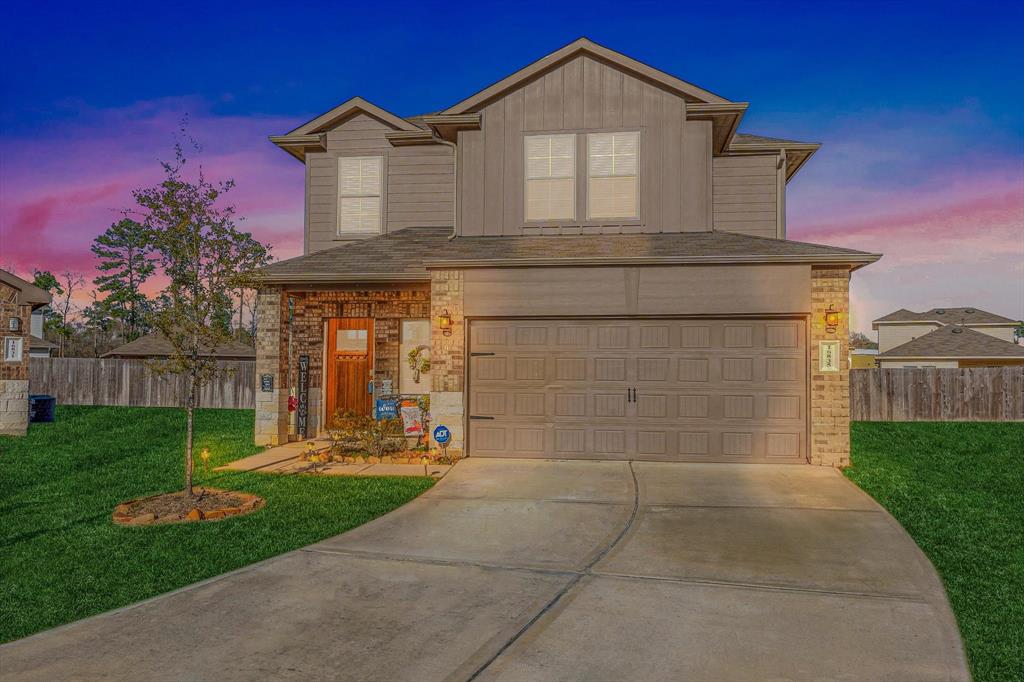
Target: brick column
[14,375]
[830,391]
[447,356]
[271,358]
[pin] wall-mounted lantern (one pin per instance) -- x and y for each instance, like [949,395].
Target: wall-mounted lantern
[444,321]
[831,319]
[14,324]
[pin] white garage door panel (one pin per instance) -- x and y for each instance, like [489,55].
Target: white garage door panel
[705,390]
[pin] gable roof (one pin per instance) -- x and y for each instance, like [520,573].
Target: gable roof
[155,345]
[687,91]
[965,315]
[310,135]
[28,293]
[406,255]
[955,341]
[346,109]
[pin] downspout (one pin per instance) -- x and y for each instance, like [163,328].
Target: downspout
[455,185]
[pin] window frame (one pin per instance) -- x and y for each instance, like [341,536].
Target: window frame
[614,220]
[340,234]
[533,222]
[581,221]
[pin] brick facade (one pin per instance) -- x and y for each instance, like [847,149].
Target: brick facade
[830,391]
[448,355]
[284,340]
[14,375]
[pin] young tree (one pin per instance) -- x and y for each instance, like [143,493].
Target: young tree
[60,323]
[204,255]
[123,252]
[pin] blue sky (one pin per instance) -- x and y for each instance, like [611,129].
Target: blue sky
[919,107]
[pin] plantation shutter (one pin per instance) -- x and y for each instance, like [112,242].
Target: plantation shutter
[359,194]
[613,175]
[550,177]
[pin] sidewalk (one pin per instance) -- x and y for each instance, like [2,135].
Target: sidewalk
[284,459]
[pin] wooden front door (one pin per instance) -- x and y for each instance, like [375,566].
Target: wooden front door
[349,365]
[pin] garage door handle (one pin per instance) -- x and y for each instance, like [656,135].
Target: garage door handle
[473,416]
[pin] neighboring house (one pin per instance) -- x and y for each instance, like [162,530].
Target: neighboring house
[38,346]
[904,325]
[953,345]
[947,337]
[594,256]
[18,298]
[156,346]
[863,358]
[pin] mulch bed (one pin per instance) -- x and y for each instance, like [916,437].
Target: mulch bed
[206,504]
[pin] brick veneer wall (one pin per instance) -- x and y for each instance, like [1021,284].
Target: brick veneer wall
[830,391]
[387,308]
[14,375]
[448,355]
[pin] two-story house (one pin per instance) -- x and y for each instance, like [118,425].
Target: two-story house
[947,337]
[594,258]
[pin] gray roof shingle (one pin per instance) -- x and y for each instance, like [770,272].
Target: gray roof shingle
[406,254]
[966,315]
[155,345]
[955,341]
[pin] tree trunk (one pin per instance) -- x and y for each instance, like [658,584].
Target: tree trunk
[189,412]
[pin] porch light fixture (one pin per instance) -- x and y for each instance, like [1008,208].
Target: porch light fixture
[444,321]
[14,324]
[831,319]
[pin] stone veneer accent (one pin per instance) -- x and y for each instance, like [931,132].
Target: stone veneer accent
[830,392]
[14,375]
[448,356]
[387,307]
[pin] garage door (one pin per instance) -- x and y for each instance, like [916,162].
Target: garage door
[671,390]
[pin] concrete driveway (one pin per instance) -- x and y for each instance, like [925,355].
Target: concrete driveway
[535,570]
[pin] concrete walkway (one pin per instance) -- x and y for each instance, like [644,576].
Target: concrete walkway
[284,459]
[534,570]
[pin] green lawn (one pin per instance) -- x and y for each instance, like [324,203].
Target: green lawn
[63,559]
[958,489]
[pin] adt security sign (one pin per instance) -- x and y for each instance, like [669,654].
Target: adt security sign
[442,435]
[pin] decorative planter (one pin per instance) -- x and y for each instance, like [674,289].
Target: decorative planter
[140,512]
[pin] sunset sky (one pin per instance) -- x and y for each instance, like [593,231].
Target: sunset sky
[920,109]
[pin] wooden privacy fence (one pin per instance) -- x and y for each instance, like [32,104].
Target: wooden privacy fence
[933,394]
[95,381]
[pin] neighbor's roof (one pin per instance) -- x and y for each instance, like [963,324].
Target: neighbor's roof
[155,345]
[945,316]
[28,293]
[407,254]
[34,342]
[955,341]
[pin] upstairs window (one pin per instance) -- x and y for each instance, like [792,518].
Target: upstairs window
[550,177]
[613,186]
[359,194]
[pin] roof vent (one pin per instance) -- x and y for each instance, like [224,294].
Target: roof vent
[970,311]
[958,330]
[940,311]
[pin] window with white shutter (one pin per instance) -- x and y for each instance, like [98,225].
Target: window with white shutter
[550,177]
[613,162]
[359,194]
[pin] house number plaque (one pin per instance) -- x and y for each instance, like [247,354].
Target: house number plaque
[828,356]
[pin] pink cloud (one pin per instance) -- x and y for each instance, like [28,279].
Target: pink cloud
[61,188]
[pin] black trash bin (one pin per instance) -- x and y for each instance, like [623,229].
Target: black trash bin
[42,408]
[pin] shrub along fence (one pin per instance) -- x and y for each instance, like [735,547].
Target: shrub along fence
[934,394]
[96,381]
